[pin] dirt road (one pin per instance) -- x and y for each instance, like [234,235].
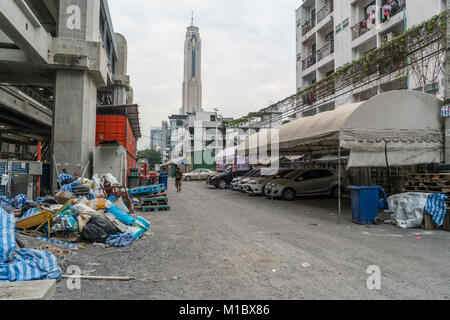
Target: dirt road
[219,244]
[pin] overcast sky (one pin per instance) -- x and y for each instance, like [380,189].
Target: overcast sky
[248,57]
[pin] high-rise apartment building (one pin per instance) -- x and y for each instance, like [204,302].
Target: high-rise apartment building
[333,33]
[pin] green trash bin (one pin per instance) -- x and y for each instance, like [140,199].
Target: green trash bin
[133,181]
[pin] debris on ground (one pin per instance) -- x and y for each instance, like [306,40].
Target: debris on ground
[97,211]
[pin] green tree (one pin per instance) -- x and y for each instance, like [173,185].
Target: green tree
[154,157]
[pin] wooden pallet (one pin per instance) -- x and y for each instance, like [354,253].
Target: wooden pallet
[428,183]
[156,195]
[152,195]
[154,201]
[156,208]
[426,189]
[433,176]
[429,225]
[446,225]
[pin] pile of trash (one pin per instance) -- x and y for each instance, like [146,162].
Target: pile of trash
[80,212]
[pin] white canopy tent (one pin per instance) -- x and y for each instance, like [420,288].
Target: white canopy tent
[405,125]
[177,161]
[397,128]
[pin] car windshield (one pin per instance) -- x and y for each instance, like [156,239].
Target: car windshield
[293,174]
[285,174]
[256,174]
[269,172]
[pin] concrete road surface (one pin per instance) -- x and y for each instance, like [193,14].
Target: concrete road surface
[219,244]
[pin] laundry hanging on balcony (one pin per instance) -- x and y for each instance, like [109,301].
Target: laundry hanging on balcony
[390,9]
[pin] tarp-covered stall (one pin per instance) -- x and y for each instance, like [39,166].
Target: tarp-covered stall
[404,125]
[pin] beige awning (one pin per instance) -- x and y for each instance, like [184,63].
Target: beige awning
[317,132]
[407,123]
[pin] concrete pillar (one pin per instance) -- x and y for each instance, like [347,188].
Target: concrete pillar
[75,92]
[75,118]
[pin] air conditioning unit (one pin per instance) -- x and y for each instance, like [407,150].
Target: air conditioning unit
[387,37]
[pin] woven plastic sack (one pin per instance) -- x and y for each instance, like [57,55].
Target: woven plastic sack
[7,236]
[84,209]
[121,216]
[136,232]
[142,223]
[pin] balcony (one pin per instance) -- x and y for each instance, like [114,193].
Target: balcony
[308,62]
[325,51]
[363,27]
[391,9]
[325,11]
[309,25]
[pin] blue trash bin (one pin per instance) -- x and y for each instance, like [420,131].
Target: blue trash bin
[163,179]
[366,201]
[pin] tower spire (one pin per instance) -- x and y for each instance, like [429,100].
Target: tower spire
[192,18]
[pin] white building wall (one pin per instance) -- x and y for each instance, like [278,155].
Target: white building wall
[342,49]
[422,10]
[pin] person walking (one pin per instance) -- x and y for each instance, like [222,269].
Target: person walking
[178,178]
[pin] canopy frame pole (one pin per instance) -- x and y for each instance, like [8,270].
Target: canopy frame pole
[339,176]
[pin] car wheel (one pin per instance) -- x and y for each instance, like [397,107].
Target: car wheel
[222,184]
[288,194]
[264,191]
[335,192]
[188,178]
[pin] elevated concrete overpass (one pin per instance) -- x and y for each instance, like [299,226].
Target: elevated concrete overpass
[59,59]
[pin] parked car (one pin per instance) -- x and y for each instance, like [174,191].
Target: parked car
[198,174]
[235,182]
[304,182]
[240,185]
[256,186]
[223,180]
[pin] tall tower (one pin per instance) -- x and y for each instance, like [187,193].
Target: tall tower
[192,82]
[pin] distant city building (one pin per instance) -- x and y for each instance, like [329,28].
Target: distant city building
[155,139]
[177,123]
[192,82]
[165,141]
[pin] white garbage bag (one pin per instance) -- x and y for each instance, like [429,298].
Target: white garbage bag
[121,205]
[407,209]
[111,179]
[96,186]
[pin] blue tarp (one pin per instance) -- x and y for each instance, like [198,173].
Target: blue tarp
[7,236]
[29,214]
[24,264]
[120,240]
[437,208]
[4,201]
[30,265]
[63,177]
[19,201]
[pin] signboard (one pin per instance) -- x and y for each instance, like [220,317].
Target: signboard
[445,112]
